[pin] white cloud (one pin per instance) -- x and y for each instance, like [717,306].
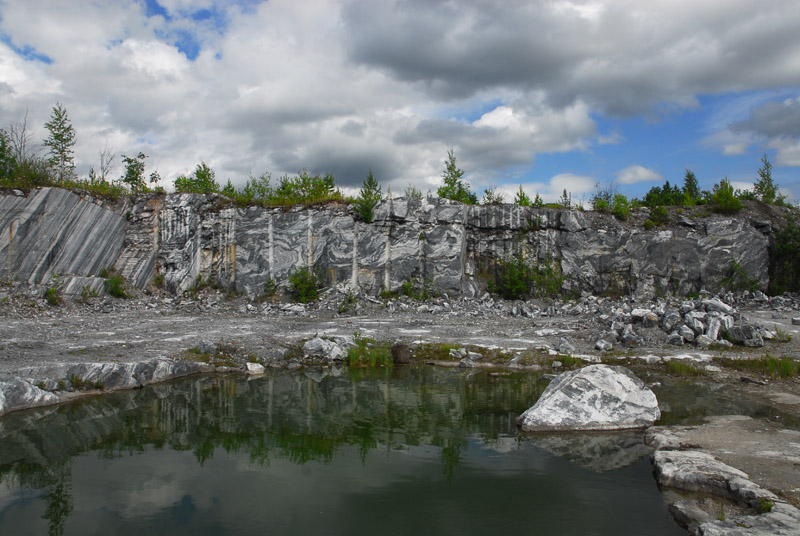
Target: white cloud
[732,149]
[637,173]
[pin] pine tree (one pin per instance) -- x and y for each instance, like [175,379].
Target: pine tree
[455,187]
[765,188]
[368,197]
[522,199]
[60,141]
[691,189]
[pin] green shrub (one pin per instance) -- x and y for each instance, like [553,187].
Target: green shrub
[304,285]
[200,182]
[270,287]
[737,279]
[522,199]
[723,199]
[621,207]
[658,216]
[366,353]
[115,284]
[516,278]
[784,259]
[53,296]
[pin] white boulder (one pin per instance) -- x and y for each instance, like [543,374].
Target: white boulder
[596,397]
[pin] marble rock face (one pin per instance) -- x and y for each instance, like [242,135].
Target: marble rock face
[431,242]
[596,397]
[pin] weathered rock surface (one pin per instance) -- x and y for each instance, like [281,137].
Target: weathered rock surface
[427,241]
[715,459]
[25,392]
[55,232]
[596,397]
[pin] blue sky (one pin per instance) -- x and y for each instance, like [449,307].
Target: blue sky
[546,94]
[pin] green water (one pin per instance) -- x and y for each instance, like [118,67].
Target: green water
[405,451]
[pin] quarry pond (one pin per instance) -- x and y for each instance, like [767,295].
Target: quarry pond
[333,451]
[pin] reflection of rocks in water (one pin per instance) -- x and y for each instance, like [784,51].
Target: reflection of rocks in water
[597,451]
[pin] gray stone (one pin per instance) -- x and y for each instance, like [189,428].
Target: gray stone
[401,354]
[796,320]
[603,345]
[565,347]
[255,369]
[674,339]
[323,348]
[671,320]
[717,305]
[596,397]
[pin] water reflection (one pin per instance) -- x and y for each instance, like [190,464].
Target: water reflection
[211,455]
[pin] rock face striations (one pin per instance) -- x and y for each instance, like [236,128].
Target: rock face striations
[426,241]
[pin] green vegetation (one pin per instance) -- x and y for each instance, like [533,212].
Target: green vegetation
[784,258]
[737,279]
[53,295]
[516,278]
[200,182]
[84,385]
[765,505]
[680,367]
[59,142]
[270,287]
[455,187]
[522,199]
[723,198]
[418,289]
[765,188]
[658,216]
[133,177]
[115,284]
[621,207]
[367,353]
[300,189]
[304,285]
[775,367]
[413,192]
[492,197]
[368,197]
[565,201]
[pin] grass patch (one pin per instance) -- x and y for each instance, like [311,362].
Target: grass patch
[366,353]
[84,385]
[679,367]
[774,367]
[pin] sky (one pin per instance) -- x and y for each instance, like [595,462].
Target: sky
[546,95]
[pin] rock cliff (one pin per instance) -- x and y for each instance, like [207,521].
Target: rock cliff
[434,241]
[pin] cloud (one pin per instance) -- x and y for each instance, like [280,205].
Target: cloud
[637,173]
[733,149]
[277,86]
[773,119]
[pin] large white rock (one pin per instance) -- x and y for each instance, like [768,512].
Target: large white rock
[597,397]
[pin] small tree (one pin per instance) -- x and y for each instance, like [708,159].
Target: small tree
[455,187]
[691,188]
[60,141]
[492,197]
[368,197]
[200,182]
[765,189]
[134,172]
[566,199]
[724,198]
[6,157]
[521,198]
